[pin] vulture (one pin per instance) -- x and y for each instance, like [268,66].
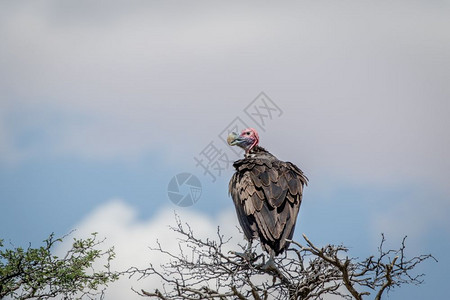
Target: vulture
[266,192]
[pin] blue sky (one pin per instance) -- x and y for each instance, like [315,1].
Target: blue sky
[100,106]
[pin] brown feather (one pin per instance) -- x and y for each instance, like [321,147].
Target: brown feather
[264,178]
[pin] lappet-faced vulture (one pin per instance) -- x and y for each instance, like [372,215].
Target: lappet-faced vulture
[266,192]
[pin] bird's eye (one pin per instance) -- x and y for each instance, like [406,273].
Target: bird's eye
[248,132]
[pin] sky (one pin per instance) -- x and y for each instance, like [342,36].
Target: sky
[103,103]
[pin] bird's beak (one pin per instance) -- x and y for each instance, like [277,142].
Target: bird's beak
[233,139]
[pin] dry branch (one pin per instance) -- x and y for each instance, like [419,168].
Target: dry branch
[304,272]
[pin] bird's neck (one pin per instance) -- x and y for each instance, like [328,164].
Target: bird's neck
[255,151]
[258,149]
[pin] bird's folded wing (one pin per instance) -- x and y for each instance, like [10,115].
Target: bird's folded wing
[269,194]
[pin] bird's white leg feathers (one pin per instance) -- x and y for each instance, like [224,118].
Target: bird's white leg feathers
[270,264]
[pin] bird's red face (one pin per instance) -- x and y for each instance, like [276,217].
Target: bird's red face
[246,140]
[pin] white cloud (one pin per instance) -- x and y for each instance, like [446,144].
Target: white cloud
[131,237]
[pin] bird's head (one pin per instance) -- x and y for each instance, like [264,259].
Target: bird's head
[246,140]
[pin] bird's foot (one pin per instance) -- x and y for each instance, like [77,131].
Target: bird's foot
[269,265]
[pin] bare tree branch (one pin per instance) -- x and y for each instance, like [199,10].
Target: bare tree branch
[304,272]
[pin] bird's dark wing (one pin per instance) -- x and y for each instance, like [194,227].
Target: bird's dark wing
[242,191]
[267,195]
